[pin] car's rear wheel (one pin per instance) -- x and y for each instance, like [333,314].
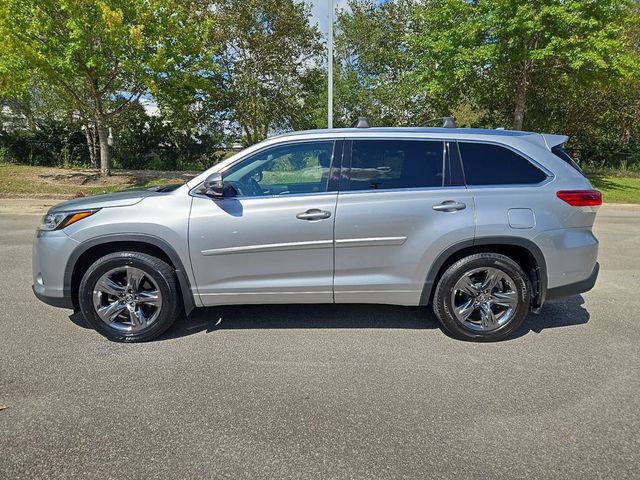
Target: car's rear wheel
[129,296]
[482,297]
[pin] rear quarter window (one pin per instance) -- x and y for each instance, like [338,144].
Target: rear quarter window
[561,153]
[487,164]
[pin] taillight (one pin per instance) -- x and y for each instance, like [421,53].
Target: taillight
[581,198]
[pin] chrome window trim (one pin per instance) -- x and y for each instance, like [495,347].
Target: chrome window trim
[292,195]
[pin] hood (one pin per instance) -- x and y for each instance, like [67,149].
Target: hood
[116,199]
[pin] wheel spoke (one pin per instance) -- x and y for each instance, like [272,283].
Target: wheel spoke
[137,317]
[151,297]
[109,286]
[467,286]
[111,311]
[463,311]
[133,279]
[492,279]
[487,317]
[505,299]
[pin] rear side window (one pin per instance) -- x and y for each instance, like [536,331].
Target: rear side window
[385,164]
[486,164]
[561,153]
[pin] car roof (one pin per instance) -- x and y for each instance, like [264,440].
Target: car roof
[449,132]
[510,137]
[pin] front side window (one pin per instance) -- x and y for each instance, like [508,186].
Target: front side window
[387,164]
[295,168]
[486,164]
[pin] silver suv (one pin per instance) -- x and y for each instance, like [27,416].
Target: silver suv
[484,225]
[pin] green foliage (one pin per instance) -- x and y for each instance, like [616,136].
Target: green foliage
[89,50]
[569,67]
[506,54]
[270,57]
[53,143]
[143,142]
[372,61]
[73,70]
[140,142]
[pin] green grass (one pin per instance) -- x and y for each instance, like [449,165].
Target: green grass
[617,189]
[25,180]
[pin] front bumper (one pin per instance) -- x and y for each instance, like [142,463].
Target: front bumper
[50,254]
[574,288]
[61,302]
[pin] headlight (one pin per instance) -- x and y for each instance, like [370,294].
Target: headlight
[57,221]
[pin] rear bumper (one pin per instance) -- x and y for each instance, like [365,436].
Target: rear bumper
[574,288]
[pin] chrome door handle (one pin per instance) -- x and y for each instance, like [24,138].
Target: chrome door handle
[449,206]
[313,214]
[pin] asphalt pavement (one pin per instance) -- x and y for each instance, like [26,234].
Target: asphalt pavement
[350,391]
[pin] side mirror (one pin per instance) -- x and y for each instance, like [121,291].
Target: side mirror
[213,186]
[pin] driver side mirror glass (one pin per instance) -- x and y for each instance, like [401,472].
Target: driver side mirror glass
[214,186]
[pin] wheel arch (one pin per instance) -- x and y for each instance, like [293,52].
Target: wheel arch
[523,251]
[89,251]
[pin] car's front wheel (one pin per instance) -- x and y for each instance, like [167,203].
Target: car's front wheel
[129,296]
[482,297]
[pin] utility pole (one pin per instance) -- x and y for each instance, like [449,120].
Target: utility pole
[330,70]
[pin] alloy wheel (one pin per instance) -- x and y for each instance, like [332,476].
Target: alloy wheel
[484,299]
[127,299]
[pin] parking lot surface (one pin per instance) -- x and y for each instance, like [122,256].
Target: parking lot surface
[349,391]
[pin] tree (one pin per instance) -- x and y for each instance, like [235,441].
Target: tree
[99,56]
[372,60]
[506,50]
[271,50]
[145,141]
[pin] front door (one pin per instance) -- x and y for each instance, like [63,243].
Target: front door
[402,204]
[270,239]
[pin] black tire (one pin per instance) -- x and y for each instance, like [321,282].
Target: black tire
[471,330]
[154,269]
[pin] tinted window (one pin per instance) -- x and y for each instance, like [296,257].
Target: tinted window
[283,170]
[560,152]
[383,164]
[486,164]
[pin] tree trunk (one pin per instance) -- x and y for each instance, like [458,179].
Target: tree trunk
[94,144]
[248,135]
[90,134]
[521,101]
[105,150]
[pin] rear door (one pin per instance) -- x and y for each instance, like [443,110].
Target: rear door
[401,203]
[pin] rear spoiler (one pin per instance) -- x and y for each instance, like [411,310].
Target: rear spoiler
[546,140]
[553,140]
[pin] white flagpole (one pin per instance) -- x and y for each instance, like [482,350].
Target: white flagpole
[330,69]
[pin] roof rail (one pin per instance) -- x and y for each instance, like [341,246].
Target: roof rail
[447,122]
[362,122]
